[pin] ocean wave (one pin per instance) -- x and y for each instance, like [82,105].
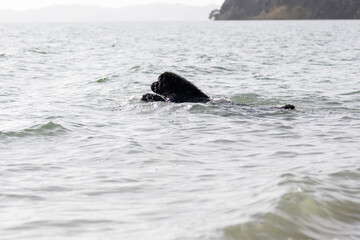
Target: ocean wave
[48,129]
[311,208]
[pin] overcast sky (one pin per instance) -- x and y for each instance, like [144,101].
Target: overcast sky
[35,4]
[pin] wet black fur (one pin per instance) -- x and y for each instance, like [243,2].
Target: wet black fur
[171,87]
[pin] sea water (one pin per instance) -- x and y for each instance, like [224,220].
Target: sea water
[81,157]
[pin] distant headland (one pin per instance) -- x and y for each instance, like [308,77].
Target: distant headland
[287,9]
[153,12]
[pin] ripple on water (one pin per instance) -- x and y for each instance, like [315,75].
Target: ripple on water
[38,51]
[351,93]
[102,80]
[20,197]
[75,223]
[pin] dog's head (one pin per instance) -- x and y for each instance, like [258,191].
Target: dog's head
[167,83]
[171,85]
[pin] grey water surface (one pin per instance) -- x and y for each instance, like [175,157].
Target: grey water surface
[81,157]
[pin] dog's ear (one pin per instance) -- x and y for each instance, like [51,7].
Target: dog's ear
[165,75]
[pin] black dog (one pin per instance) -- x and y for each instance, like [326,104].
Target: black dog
[171,87]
